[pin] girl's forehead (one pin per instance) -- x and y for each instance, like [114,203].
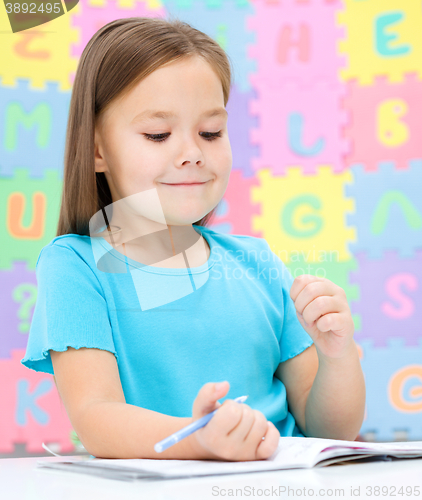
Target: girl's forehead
[193,88]
[143,108]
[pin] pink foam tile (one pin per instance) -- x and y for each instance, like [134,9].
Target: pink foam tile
[369,132]
[240,208]
[299,127]
[296,40]
[32,410]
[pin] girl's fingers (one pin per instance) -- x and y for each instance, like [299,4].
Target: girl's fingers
[268,445]
[242,429]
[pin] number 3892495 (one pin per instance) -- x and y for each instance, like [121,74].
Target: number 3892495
[25,8]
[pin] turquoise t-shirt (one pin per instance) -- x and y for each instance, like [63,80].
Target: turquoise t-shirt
[173,330]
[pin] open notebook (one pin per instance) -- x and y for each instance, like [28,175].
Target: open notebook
[291,453]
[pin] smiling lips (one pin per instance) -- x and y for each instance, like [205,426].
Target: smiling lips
[187,184]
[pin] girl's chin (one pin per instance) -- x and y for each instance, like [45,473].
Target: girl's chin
[175,218]
[182,221]
[185,222]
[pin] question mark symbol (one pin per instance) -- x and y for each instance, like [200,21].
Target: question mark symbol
[26,294]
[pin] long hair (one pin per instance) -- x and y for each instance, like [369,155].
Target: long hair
[116,58]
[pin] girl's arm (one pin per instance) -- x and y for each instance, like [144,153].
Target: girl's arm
[325,384]
[89,385]
[336,403]
[119,430]
[326,396]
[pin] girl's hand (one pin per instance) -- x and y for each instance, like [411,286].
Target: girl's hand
[235,432]
[324,313]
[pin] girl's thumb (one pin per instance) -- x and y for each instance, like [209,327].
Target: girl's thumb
[220,388]
[206,401]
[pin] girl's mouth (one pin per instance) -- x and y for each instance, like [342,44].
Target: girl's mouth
[186,184]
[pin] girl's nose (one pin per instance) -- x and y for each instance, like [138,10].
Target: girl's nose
[191,153]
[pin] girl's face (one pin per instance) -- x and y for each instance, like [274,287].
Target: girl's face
[184,143]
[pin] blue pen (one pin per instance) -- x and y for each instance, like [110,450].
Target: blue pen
[189,429]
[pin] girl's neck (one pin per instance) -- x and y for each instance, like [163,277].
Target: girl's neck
[173,247]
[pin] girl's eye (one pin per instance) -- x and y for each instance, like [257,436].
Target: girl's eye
[208,136]
[156,137]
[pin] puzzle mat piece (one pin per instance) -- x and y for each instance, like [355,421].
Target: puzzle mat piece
[299,211]
[239,123]
[18,294]
[236,210]
[385,122]
[41,55]
[33,128]
[390,291]
[34,412]
[296,42]
[388,212]
[30,211]
[387,32]
[393,376]
[91,16]
[226,25]
[20,450]
[299,127]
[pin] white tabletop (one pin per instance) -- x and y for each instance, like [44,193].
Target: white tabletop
[20,479]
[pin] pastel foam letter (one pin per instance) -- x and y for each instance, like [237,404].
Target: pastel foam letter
[286,43]
[384,38]
[392,131]
[41,115]
[314,221]
[27,402]
[406,305]
[295,126]
[396,389]
[381,215]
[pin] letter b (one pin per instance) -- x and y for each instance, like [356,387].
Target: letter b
[392,131]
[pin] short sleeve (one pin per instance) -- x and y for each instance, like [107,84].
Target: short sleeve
[294,339]
[70,309]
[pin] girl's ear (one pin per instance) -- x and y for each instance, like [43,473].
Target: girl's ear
[100,164]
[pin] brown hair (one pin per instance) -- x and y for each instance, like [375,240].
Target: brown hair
[115,59]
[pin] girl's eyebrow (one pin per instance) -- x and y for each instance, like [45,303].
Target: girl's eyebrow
[150,114]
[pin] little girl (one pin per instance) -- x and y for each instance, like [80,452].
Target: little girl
[145,316]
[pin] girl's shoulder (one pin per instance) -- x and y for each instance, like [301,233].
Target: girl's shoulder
[70,240]
[79,245]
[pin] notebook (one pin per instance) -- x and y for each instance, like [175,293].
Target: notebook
[291,453]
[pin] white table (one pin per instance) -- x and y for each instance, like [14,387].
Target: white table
[20,479]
